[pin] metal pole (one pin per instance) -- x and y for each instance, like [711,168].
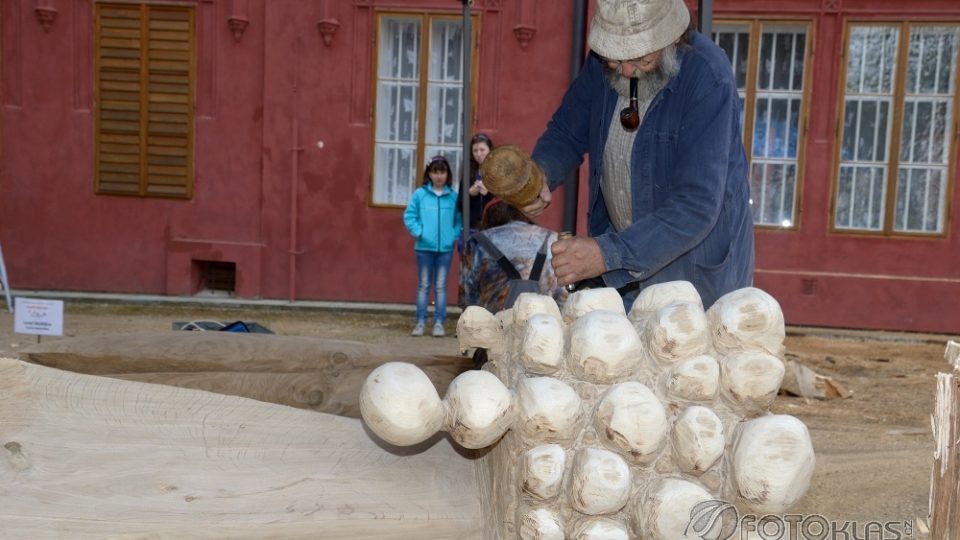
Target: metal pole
[705,18]
[467,115]
[571,192]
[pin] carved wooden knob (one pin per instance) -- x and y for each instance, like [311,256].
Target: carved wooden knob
[509,173]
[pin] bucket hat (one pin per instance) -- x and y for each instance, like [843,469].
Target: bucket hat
[628,29]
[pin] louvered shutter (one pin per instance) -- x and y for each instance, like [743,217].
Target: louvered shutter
[145,89]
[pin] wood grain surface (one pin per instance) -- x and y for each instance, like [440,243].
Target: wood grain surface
[319,374]
[83,456]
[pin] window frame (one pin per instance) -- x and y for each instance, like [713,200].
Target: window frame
[426,19]
[756,27]
[143,190]
[898,101]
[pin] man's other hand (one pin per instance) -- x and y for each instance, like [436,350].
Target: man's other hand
[576,259]
[541,203]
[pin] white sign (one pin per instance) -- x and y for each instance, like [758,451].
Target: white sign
[41,317]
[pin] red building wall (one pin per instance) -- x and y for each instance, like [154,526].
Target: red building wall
[296,218]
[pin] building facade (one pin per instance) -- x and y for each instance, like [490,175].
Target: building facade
[266,148]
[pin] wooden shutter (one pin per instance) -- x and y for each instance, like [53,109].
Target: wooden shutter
[145,95]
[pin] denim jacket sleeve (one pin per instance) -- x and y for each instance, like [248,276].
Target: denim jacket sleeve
[691,192]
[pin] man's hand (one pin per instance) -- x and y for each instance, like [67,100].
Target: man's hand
[576,259]
[541,203]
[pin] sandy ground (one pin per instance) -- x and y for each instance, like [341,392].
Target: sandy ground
[874,449]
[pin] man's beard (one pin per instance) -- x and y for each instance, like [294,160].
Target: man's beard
[648,84]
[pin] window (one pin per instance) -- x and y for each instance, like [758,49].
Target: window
[144,100]
[769,62]
[898,98]
[419,112]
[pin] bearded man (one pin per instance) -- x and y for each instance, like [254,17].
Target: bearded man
[669,199]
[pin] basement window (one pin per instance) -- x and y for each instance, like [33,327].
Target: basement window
[217,278]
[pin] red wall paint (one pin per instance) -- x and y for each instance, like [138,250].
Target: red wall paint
[296,218]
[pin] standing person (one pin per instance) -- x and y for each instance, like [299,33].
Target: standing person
[483,281]
[480,147]
[656,108]
[432,219]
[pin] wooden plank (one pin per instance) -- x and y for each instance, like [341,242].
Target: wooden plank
[119,168]
[321,374]
[88,457]
[169,107]
[126,86]
[945,479]
[161,128]
[167,151]
[109,177]
[165,171]
[174,191]
[166,141]
[120,188]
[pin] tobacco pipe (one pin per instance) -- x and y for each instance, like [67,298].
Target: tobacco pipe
[630,115]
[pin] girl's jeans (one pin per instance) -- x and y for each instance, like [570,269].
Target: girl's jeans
[432,269]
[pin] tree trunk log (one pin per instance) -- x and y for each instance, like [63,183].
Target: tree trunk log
[322,375]
[945,481]
[85,457]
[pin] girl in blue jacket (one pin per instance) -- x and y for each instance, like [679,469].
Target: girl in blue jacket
[432,219]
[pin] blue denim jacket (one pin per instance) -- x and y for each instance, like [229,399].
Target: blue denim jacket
[691,197]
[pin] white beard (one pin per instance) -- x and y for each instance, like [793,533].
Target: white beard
[648,84]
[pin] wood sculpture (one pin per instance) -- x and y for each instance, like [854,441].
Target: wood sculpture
[322,375]
[607,425]
[88,457]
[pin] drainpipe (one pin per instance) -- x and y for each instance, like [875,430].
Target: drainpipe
[705,18]
[294,176]
[467,117]
[571,193]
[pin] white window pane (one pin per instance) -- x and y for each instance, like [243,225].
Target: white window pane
[925,136]
[844,215]
[444,131]
[397,110]
[867,124]
[444,114]
[395,176]
[446,52]
[919,205]
[872,59]
[399,54]
[776,129]
[931,60]
[401,100]
[735,41]
[860,198]
[773,189]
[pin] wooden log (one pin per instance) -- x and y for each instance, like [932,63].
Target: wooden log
[322,375]
[945,479]
[86,457]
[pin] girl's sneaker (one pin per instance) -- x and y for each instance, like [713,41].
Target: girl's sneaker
[418,329]
[438,330]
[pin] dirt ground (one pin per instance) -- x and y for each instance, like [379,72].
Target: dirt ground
[874,449]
